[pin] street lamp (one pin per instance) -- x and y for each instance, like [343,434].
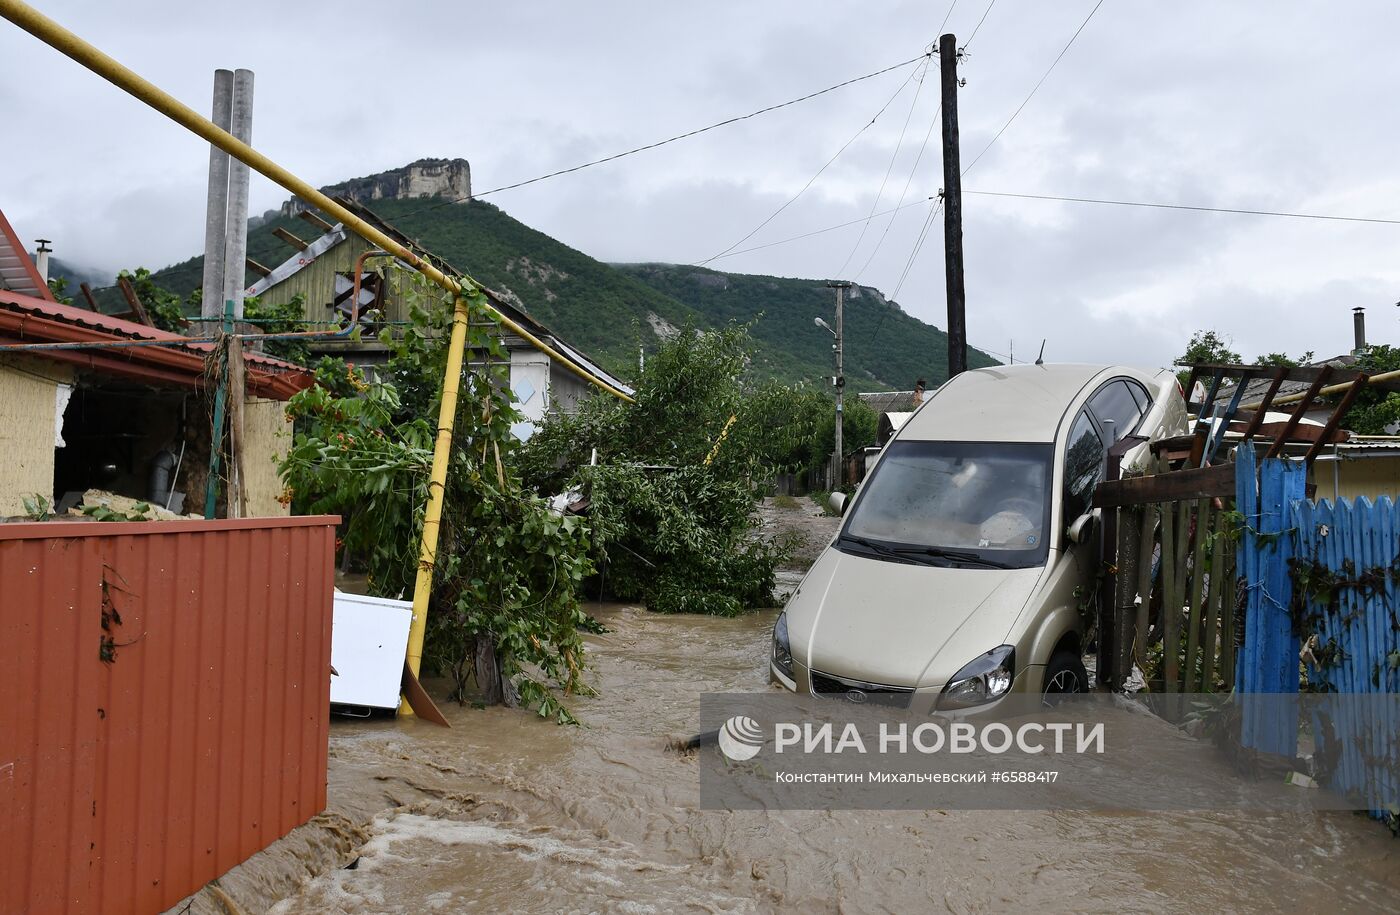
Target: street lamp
[821,323]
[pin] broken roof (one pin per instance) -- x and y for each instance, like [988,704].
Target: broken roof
[26,319]
[17,271]
[515,311]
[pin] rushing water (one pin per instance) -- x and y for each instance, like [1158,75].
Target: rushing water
[508,813]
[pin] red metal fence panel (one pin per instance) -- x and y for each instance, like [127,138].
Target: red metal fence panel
[164,698]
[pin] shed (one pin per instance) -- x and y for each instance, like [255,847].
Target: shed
[100,418]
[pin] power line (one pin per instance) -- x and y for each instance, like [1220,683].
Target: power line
[899,144]
[810,181]
[839,225]
[1183,206]
[681,136]
[1038,84]
[979,24]
[919,243]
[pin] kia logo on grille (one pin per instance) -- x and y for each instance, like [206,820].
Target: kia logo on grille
[856,696]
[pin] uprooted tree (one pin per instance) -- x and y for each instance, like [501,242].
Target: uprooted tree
[504,609]
[671,479]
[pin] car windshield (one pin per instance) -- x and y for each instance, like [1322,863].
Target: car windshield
[975,503]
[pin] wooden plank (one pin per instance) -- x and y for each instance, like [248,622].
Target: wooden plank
[290,239]
[1228,605]
[1171,603]
[1258,418]
[1198,567]
[1146,539]
[1318,384]
[1196,483]
[1125,589]
[134,301]
[1212,605]
[256,267]
[86,290]
[316,221]
[1335,419]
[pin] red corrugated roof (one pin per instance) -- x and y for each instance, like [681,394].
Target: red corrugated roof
[82,317]
[24,319]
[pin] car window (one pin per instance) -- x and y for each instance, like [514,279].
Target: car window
[985,498]
[1114,403]
[1084,457]
[1140,395]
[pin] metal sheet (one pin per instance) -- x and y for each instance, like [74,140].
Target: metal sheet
[141,760]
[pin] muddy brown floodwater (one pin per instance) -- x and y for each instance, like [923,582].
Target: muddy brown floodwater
[507,813]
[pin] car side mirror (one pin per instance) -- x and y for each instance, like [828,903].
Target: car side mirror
[837,501]
[1079,531]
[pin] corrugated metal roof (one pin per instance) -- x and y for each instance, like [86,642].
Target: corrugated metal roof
[82,317]
[17,271]
[127,783]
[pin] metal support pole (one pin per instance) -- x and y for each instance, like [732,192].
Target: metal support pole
[437,482]
[216,210]
[236,246]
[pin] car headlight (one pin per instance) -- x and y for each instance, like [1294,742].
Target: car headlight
[782,650]
[985,678]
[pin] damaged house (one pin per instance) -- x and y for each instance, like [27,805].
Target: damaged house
[323,271]
[130,415]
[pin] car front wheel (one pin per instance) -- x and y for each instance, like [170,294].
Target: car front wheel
[1065,674]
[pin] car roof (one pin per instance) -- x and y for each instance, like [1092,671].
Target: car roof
[1008,403]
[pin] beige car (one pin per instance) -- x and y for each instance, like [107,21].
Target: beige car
[965,567]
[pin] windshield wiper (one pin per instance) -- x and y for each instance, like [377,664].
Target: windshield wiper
[955,555]
[878,548]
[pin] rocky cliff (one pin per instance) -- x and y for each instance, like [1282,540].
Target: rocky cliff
[449,178]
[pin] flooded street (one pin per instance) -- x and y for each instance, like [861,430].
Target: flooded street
[505,812]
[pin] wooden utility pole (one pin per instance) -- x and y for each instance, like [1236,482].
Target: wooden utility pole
[952,208]
[840,380]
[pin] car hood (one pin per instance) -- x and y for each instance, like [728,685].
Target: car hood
[902,624]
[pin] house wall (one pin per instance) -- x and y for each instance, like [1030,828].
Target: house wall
[1351,478]
[566,389]
[316,281]
[28,407]
[267,436]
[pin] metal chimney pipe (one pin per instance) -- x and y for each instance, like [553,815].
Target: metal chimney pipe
[41,258]
[1358,320]
[236,247]
[216,210]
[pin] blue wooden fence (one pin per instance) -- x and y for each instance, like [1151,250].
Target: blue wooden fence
[1356,616]
[1268,661]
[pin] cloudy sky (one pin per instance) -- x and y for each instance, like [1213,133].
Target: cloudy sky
[1269,105]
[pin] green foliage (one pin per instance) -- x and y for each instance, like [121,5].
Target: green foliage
[36,507]
[1283,360]
[885,348]
[281,319]
[164,307]
[1205,346]
[139,512]
[58,285]
[508,569]
[672,495]
[1374,411]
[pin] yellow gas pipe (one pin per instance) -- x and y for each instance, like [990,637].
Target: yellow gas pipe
[69,44]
